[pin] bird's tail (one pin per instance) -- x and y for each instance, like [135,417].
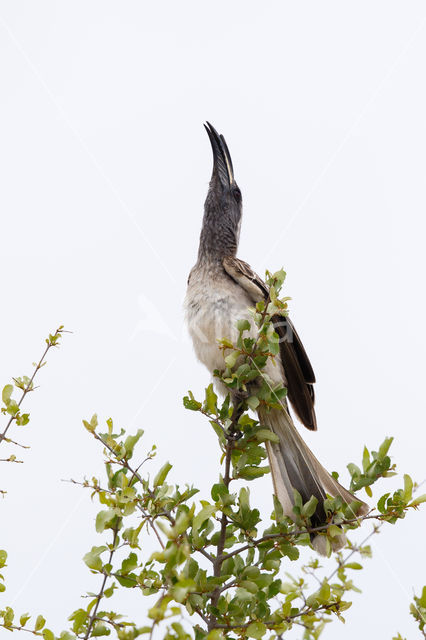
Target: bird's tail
[294,466]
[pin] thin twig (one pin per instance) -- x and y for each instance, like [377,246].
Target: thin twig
[124,463]
[29,386]
[13,627]
[206,554]
[354,550]
[18,444]
[99,489]
[299,532]
[201,614]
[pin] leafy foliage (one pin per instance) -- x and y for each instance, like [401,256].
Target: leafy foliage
[216,561]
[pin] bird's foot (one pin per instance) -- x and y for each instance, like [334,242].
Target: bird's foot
[239,395]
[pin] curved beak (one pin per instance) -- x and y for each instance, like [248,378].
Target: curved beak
[222,163]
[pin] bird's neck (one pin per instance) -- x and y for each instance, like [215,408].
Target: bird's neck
[218,239]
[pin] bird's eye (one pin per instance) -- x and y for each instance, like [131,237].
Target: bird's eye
[237,194]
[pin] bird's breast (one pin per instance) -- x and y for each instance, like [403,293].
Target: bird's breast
[212,310]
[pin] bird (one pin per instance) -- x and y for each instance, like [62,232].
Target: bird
[221,290]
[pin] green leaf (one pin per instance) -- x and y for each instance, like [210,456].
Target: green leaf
[253,402]
[231,359]
[218,490]
[256,630]
[251,472]
[323,594]
[3,557]
[129,563]
[381,505]
[408,488]
[24,619]
[48,634]
[243,325]
[384,448]
[266,434]
[210,403]
[422,600]
[100,630]
[130,442]
[92,558]
[103,519]
[216,634]
[6,394]
[162,474]
[78,619]
[205,513]
[39,623]
[353,565]
[91,426]
[418,500]
[309,508]
[190,403]
[365,459]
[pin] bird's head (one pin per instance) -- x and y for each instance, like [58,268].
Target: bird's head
[223,206]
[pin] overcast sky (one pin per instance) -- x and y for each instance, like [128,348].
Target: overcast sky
[104,166]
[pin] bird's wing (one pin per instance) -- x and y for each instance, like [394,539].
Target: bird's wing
[297,367]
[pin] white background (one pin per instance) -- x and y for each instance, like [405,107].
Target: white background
[104,167]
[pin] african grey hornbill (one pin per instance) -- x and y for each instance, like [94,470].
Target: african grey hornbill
[221,288]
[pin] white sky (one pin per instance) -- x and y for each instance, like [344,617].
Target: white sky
[104,167]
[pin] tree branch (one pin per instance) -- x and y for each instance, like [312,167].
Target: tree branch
[292,534]
[105,578]
[218,561]
[274,623]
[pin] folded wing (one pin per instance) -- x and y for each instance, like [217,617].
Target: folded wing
[297,367]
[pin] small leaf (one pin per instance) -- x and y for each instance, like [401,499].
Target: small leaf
[243,325]
[6,393]
[190,403]
[216,634]
[39,623]
[353,565]
[253,402]
[266,434]
[252,472]
[205,513]
[418,500]
[92,558]
[24,619]
[162,474]
[309,508]
[210,403]
[231,359]
[408,488]
[103,518]
[3,557]
[131,441]
[256,630]
[384,448]
[381,505]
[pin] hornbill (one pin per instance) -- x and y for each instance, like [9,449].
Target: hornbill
[221,289]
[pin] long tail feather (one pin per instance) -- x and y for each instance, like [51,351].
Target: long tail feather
[294,466]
